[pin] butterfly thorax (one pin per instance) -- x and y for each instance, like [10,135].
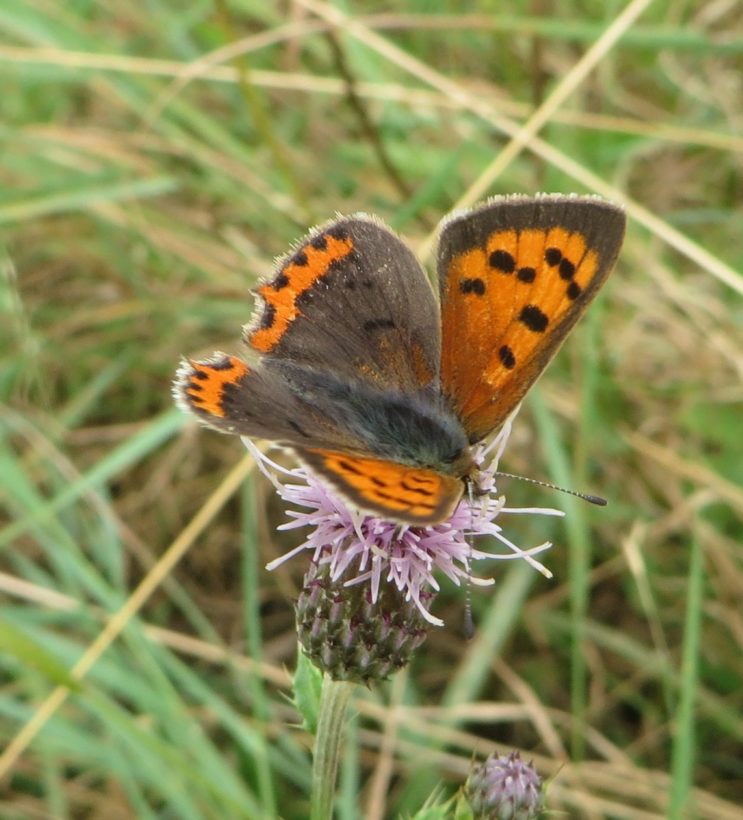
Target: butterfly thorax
[416,428]
[412,430]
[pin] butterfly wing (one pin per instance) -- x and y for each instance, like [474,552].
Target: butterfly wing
[348,342]
[514,276]
[227,394]
[233,397]
[353,300]
[412,495]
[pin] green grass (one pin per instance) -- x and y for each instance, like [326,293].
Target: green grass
[144,192]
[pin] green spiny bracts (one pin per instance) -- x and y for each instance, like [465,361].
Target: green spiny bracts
[351,638]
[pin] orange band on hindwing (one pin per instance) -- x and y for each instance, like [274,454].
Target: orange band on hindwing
[299,274]
[206,382]
[415,495]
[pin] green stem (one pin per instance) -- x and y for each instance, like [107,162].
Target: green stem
[331,722]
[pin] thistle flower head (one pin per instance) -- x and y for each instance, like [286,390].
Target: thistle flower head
[505,788]
[354,548]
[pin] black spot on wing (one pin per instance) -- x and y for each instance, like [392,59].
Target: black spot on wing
[476,286]
[567,269]
[268,316]
[508,360]
[222,364]
[503,261]
[526,274]
[348,467]
[419,490]
[534,318]
[281,281]
[574,290]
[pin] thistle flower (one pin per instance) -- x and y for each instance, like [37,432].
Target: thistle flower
[505,788]
[351,548]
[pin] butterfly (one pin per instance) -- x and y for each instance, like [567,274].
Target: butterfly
[382,389]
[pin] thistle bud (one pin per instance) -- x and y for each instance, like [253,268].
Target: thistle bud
[505,788]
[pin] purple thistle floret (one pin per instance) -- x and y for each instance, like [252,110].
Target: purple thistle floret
[366,549]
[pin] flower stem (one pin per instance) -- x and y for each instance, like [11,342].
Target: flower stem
[331,722]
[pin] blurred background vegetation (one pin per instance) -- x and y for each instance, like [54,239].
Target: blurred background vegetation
[155,158]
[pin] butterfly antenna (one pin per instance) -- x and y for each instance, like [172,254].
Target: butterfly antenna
[469,623]
[591,499]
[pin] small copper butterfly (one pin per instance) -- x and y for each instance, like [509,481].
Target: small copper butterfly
[378,387]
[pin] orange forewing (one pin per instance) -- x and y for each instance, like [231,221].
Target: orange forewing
[413,495]
[507,304]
